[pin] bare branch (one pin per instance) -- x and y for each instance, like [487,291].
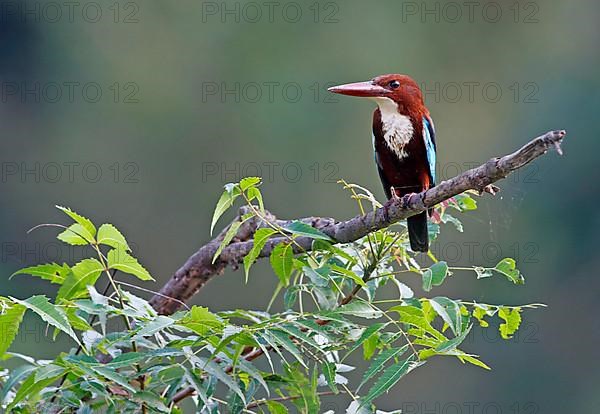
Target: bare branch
[199,269]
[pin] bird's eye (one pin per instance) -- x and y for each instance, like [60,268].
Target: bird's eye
[394,84]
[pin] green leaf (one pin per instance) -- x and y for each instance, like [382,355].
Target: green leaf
[261,236]
[451,344]
[329,374]
[254,193]
[361,309]
[83,274]
[121,260]
[348,273]
[50,313]
[282,262]
[111,375]
[472,360]
[227,199]
[53,272]
[284,340]
[512,321]
[380,360]
[39,379]
[302,229]
[319,277]
[200,320]
[11,315]
[449,311]
[435,275]
[464,202]
[16,375]
[110,236]
[216,371]
[508,267]
[158,324]
[76,235]
[84,222]
[276,407]
[229,235]
[367,333]
[389,378]
[151,400]
[249,182]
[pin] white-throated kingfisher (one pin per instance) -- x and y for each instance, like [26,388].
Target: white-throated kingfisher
[403,140]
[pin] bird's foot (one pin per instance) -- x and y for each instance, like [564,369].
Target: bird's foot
[394,194]
[491,189]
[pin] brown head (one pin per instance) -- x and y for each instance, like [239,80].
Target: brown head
[401,89]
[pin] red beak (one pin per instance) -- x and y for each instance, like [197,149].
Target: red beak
[360,89]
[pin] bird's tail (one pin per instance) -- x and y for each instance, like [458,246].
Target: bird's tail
[417,232]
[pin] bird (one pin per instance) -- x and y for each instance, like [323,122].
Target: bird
[403,141]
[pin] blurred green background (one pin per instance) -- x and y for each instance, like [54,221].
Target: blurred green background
[138,113]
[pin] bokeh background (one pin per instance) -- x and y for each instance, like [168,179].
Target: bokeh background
[137,113]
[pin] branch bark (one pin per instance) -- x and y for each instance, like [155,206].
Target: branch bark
[199,269]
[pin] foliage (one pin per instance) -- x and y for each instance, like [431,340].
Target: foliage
[246,360]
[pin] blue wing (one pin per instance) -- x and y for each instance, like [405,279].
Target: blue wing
[429,137]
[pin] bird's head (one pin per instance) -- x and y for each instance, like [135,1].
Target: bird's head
[401,89]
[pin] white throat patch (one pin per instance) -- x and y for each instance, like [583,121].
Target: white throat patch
[397,128]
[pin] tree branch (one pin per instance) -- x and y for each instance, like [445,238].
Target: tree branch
[199,268]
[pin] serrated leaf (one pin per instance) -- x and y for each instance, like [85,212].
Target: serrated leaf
[389,378]
[512,321]
[53,272]
[248,182]
[83,221]
[200,320]
[348,273]
[16,375]
[284,340]
[319,277]
[366,334]
[360,309]
[302,229]
[508,267]
[329,371]
[229,235]
[11,315]
[451,344]
[109,235]
[83,274]
[253,193]
[216,371]
[112,375]
[225,201]
[158,324]
[261,236]
[151,400]
[76,235]
[472,360]
[435,275]
[380,360]
[282,262]
[449,311]
[121,260]
[50,313]
[39,379]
